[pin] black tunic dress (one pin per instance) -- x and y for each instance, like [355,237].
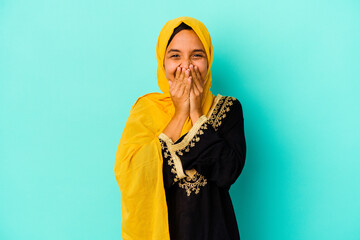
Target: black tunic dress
[199,169]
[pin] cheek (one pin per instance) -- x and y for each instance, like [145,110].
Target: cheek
[203,70]
[202,65]
[170,69]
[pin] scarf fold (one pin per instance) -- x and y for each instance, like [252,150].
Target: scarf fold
[138,161]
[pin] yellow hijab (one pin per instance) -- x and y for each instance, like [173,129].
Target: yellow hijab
[138,161]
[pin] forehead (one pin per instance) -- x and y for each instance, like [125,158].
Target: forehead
[186,39]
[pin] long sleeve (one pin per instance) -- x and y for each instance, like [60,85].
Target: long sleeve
[219,155]
[216,148]
[198,170]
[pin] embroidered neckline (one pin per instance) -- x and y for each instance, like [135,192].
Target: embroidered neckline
[197,129]
[220,111]
[194,131]
[192,180]
[215,103]
[174,161]
[170,160]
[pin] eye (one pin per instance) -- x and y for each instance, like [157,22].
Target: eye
[198,55]
[175,55]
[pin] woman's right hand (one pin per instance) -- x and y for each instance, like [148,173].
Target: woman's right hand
[179,90]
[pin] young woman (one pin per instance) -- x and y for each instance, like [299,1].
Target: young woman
[181,149]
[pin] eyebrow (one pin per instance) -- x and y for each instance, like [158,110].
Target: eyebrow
[195,50]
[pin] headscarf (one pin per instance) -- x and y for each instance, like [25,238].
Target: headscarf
[138,161]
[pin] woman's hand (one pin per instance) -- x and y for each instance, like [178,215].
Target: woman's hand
[179,90]
[196,94]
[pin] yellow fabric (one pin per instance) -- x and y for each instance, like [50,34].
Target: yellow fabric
[138,160]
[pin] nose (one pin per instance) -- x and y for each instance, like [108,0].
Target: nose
[185,64]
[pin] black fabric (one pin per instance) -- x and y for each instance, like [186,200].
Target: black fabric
[200,207]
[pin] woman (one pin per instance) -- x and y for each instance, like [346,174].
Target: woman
[181,149]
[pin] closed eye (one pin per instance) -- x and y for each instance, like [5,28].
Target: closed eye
[176,55]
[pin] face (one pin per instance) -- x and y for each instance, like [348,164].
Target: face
[185,49]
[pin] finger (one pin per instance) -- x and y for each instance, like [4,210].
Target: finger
[177,73]
[188,85]
[198,74]
[196,81]
[187,74]
[181,90]
[201,82]
[182,75]
[174,92]
[174,87]
[179,86]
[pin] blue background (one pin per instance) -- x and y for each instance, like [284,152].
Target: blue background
[70,71]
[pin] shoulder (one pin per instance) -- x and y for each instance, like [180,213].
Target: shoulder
[225,110]
[148,110]
[236,106]
[229,102]
[233,103]
[145,101]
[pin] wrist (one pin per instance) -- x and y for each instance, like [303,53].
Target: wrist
[195,116]
[180,116]
[196,112]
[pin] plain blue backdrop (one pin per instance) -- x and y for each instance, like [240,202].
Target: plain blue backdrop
[70,71]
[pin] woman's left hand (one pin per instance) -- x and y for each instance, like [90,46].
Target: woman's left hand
[196,93]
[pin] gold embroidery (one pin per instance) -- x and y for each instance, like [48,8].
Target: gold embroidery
[192,142]
[220,111]
[215,111]
[215,103]
[193,183]
[193,180]
[170,160]
[194,131]
[190,172]
[174,159]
